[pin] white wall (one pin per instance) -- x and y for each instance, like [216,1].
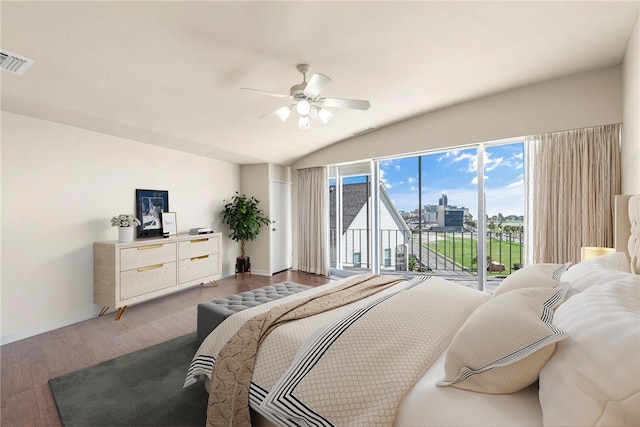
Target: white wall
[60,187]
[631,126]
[255,182]
[574,102]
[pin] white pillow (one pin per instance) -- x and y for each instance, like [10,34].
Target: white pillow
[544,275]
[595,272]
[503,345]
[593,378]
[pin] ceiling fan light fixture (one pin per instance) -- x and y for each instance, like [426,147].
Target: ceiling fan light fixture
[283,113]
[325,115]
[303,122]
[305,100]
[303,107]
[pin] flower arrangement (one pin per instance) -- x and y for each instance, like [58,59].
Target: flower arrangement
[123,220]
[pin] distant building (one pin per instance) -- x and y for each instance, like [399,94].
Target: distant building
[430,214]
[448,218]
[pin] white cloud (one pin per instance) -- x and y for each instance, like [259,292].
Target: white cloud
[516,184]
[384,180]
[491,164]
[474,181]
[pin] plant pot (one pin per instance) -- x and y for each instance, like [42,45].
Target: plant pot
[125,234]
[243,265]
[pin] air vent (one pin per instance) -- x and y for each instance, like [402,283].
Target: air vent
[14,63]
[362,132]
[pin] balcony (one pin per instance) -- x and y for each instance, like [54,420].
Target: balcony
[442,253]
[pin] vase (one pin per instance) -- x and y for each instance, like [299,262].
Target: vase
[125,234]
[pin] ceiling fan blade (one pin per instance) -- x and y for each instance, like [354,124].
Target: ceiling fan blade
[282,113]
[356,104]
[317,82]
[264,92]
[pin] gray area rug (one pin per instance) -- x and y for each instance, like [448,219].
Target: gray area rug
[143,388]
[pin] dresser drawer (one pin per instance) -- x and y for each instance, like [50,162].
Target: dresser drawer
[198,246]
[144,255]
[197,267]
[147,279]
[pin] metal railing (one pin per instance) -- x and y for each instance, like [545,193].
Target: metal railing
[443,251]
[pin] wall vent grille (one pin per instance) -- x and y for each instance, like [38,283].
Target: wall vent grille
[14,63]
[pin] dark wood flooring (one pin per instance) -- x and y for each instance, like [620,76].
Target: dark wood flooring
[28,364]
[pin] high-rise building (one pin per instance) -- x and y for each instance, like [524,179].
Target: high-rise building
[443,200]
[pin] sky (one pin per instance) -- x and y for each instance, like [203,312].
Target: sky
[455,174]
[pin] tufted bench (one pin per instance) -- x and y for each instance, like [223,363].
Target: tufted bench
[212,313]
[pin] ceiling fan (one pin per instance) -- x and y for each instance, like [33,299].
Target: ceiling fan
[306,100]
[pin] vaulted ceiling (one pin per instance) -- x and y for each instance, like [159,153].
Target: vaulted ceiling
[170,73]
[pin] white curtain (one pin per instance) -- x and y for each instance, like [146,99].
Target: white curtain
[574,176]
[313,191]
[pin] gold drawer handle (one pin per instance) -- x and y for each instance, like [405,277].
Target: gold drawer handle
[199,257]
[150,267]
[198,240]
[142,248]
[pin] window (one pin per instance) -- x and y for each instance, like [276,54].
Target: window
[356,260]
[387,257]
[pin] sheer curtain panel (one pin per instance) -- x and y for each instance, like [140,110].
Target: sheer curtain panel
[574,176]
[313,190]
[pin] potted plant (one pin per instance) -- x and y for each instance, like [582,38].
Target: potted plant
[125,224]
[245,220]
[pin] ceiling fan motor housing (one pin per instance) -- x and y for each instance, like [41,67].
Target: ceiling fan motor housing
[297,91]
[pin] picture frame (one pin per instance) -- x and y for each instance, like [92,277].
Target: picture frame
[150,204]
[169,224]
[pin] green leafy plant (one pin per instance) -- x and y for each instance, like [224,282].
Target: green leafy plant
[242,215]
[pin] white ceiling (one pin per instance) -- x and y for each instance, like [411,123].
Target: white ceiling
[170,73]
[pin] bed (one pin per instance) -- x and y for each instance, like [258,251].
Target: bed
[556,344]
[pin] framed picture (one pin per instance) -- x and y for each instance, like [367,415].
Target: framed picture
[169,225]
[150,204]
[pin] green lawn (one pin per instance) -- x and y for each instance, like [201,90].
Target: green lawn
[461,248]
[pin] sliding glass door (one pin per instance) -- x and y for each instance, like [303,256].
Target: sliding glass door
[456,213]
[433,199]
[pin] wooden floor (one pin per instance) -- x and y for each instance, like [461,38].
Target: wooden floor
[27,365]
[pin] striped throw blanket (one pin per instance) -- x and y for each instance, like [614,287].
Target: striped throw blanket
[231,379]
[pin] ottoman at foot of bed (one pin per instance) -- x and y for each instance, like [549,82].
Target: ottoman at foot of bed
[212,313]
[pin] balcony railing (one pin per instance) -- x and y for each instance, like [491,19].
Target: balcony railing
[448,252]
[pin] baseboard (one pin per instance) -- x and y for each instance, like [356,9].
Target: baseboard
[7,339]
[260,272]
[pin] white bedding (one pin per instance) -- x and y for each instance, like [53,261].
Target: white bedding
[429,405]
[424,404]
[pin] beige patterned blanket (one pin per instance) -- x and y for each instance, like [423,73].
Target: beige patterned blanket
[426,308]
[231,379]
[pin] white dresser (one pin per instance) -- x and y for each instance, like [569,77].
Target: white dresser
[128,273]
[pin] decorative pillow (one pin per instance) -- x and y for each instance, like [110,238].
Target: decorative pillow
[593,377]
[503,345]
[595,272]
[533,276]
